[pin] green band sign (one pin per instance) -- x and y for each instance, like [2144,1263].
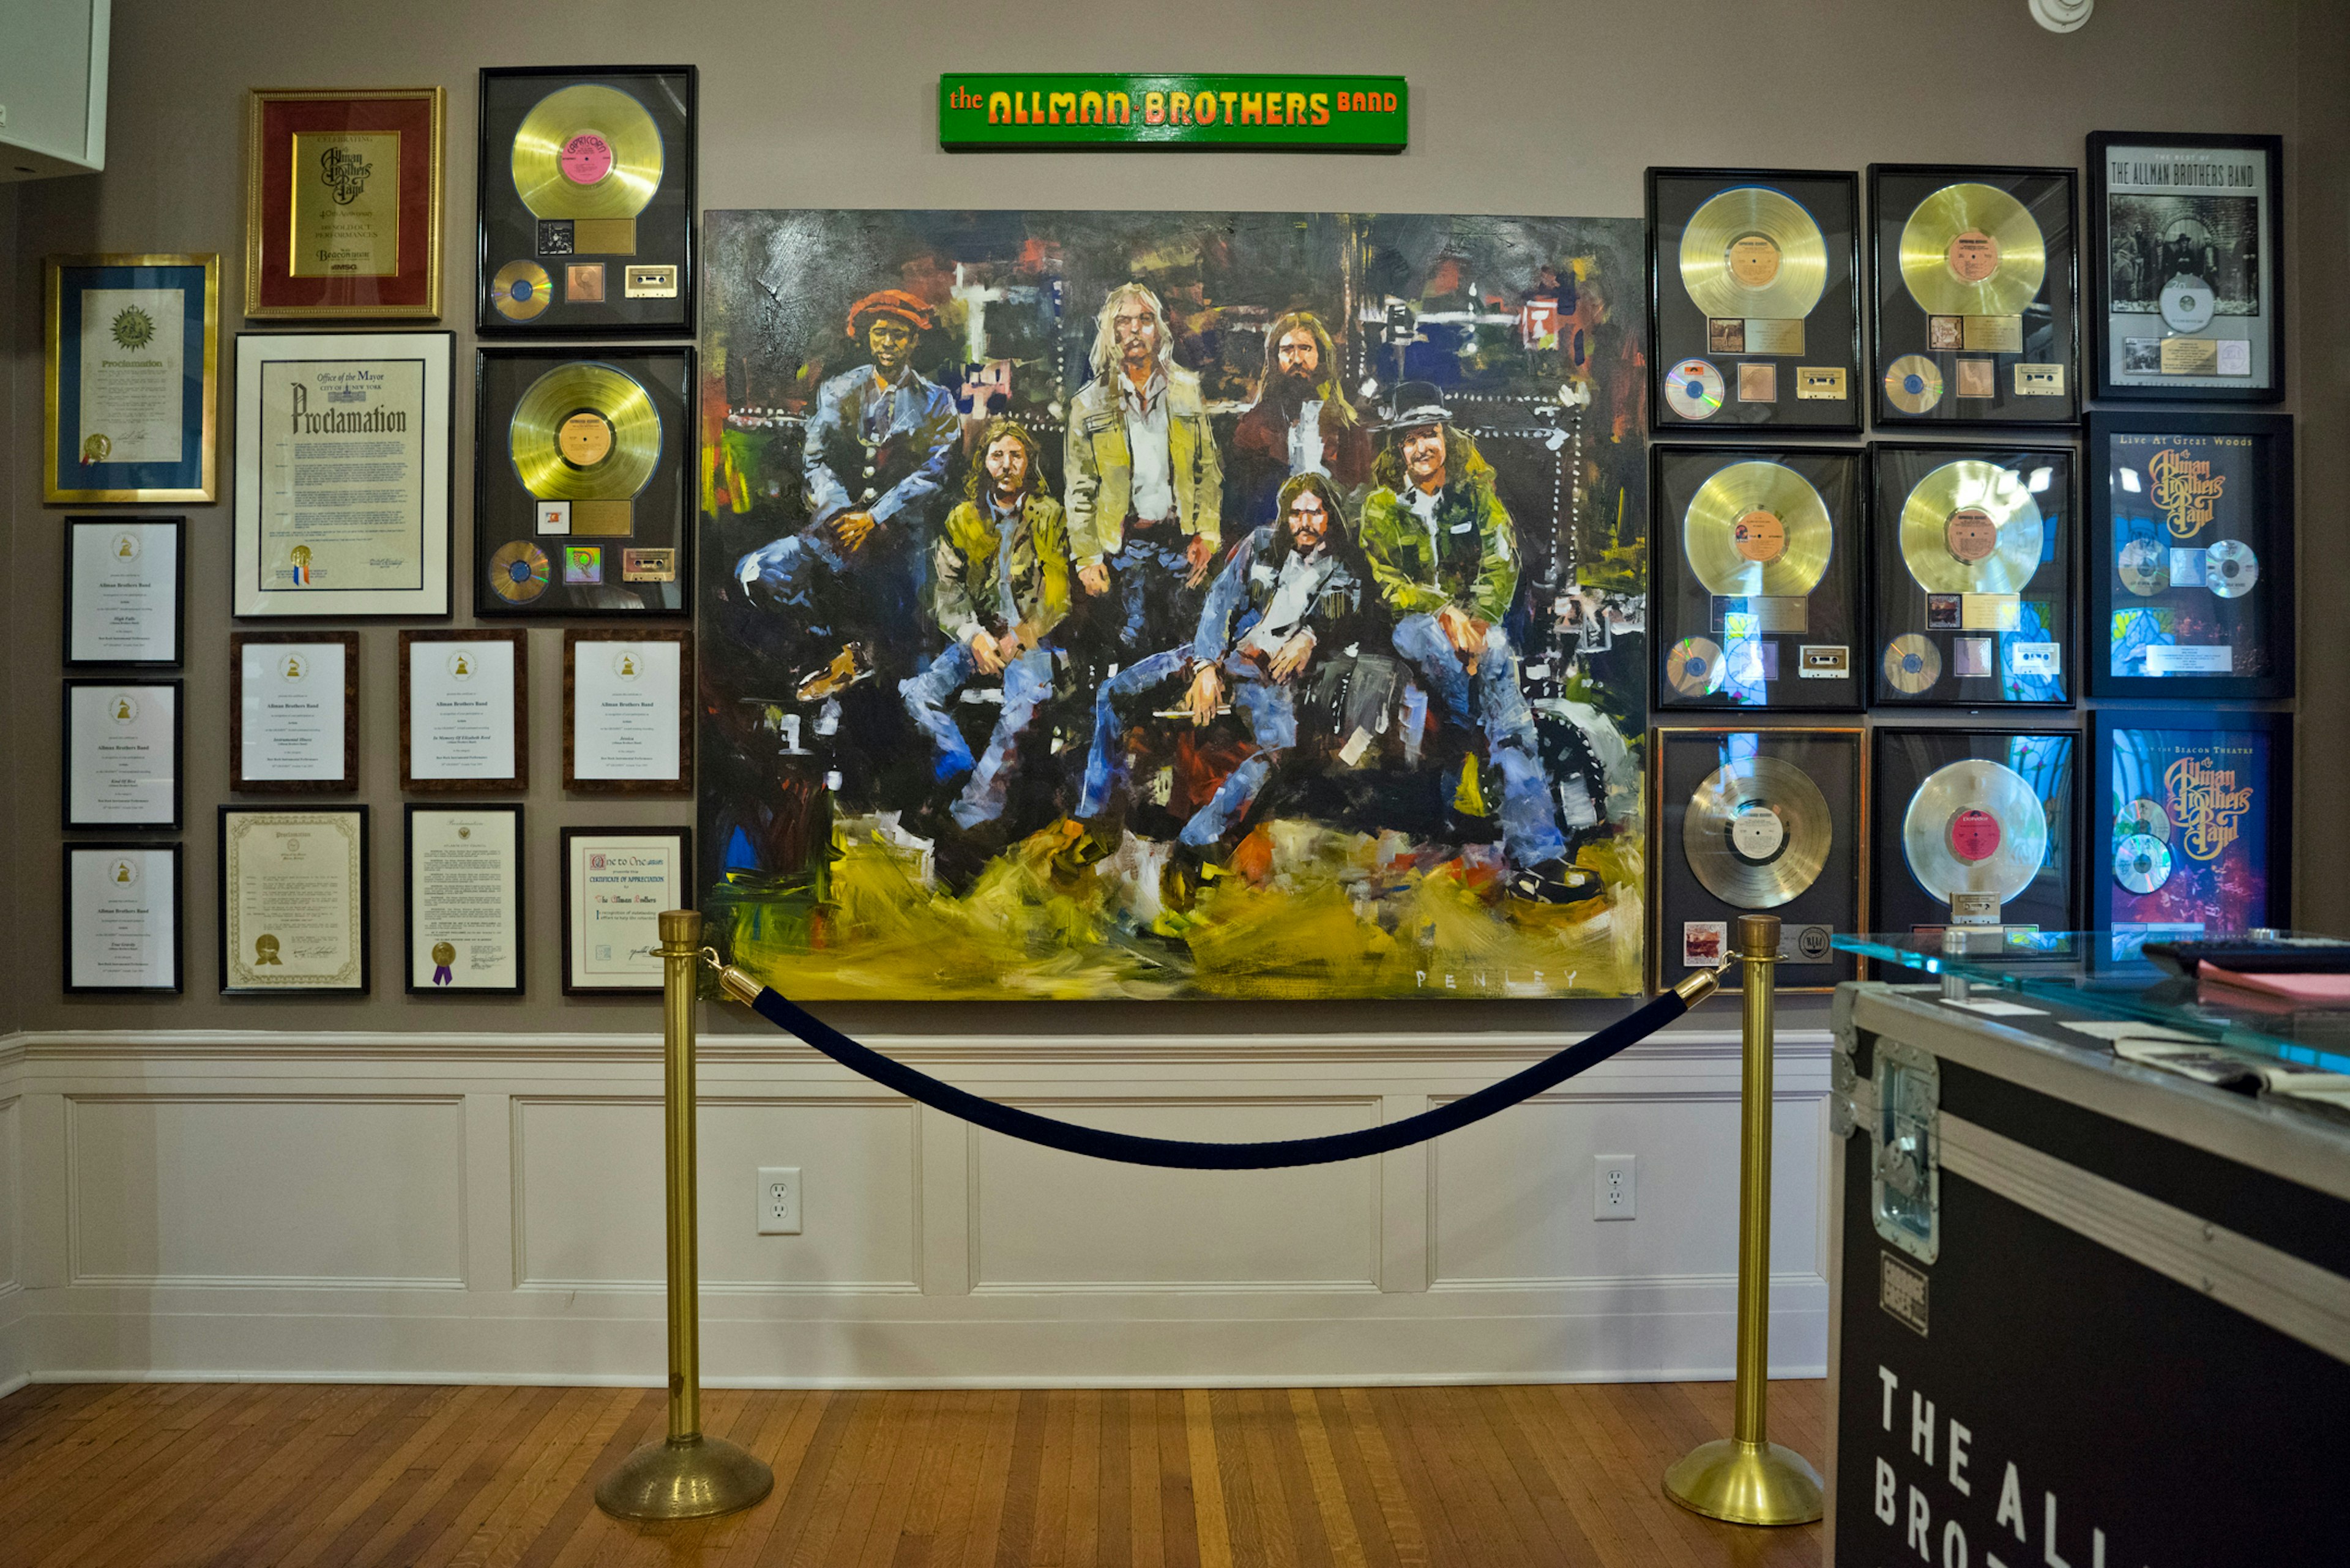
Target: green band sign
[998,112]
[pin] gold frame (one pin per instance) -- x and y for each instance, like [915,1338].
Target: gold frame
[436,157]
[1653,884]
[53,269]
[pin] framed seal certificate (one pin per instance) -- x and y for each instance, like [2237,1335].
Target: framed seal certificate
[616,883]
[132,375]
[126,585]
[627,726]
[342,203]
[294,899]
[122,753]
[122,917]
[464,900]
[342,474]
[294,710]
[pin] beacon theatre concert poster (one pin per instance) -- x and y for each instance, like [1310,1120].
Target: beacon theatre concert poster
[1143,605]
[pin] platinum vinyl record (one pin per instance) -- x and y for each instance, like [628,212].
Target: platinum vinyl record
[1757,832]
[1975,826]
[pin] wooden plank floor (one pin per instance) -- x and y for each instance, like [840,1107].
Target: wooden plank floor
[247,1474]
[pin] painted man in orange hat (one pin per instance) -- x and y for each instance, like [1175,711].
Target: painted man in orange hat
[876,454]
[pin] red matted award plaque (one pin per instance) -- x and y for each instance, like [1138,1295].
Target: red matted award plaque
[343,202]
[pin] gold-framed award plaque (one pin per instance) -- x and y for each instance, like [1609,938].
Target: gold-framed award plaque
[130,377]
[343,202]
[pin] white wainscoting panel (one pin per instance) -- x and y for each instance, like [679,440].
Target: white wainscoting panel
[220,1189]
[12,1187]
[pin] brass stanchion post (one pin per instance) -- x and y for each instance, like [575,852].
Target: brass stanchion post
[1746,1479]
[690,1476]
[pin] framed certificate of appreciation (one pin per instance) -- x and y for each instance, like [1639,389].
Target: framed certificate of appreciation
[294,899]
[342,474]
[342,213]
[464,900]
[465,711]
[122,753]
[129,394]
[627,725]
[126,589]
[616,883]
[294,710]
[122,918]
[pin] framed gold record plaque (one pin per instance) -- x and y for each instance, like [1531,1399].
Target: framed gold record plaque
[581,472]
[1757,596]
[1977,296]
[1758,822]
[1754,282]
[343,202]
[587,203]
[1975,827]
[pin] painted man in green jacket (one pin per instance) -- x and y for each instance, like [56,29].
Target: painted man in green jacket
[1444,556]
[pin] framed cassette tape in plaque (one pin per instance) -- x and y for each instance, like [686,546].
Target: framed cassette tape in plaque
[2191,555]
[1753,277]
[1754,822]
[1973,828]
[1976,295]
[587,203]
[2197,809]
[2186,234]
[1758,585]
[582,473]
[1973,600]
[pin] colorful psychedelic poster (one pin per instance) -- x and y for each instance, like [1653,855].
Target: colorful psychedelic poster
[2196,817]
[1152,605]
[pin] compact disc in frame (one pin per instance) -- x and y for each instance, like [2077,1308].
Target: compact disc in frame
[519,572]
[1912,664]
[1695,667]
[1913,384]
[1693,389]
[521,290]
[2230,568]
[2144,567]
[2141,863]
[2143,816]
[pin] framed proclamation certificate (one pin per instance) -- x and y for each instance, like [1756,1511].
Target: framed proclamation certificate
[294,899]
[294,710]
[627,726]
[616,883]
[122,917]
[464,900]
[342,474]
[343,202]
[127,396]
[122,753]
[125,587]
[465,711]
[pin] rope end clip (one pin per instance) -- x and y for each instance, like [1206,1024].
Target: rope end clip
[1697,986]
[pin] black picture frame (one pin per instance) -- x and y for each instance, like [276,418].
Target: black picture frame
[2264,444]
[1681,759]
[1904,759]
[178,756]
[408,898]
[658,515]
[179,527]
[2112,376]
[365,894]
[1903,607]
[1901,330]
[2270,806]
[681,835]
[179,914]
[506,232]
[1685,609]
[1681,329]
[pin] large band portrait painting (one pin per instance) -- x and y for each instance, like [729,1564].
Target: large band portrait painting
[1120,604]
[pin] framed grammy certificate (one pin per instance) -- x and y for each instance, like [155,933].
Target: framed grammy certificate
[465,710]
[342,203]
[342,474]
[131,378]
[294,712]
[464,885]
[294,899]
[122,755]
[126,587]
[122,918]
[616,883]
[627,728]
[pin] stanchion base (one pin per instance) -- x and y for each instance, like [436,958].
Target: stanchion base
[1746,1483]
[694,1479]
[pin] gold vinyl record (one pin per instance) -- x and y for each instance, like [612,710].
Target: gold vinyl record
[585,433]
[521,290]
[1975,827]
[1912,664]
[1972,528]
[1972,250]
[1757,832]
[1757,528]
[1753,252]
[587,151]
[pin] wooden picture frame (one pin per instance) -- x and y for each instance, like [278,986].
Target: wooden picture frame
[516,776]
[617,746]
[240,781]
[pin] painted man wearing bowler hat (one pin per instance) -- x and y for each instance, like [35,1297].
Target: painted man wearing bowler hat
[1444,555]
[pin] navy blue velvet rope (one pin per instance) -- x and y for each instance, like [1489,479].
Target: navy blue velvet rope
[1182,1155]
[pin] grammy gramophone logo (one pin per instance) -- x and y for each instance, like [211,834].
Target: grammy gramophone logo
[2207,804]
[345,172]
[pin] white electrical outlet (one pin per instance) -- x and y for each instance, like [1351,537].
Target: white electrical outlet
[779,1201]
[1612,1186]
